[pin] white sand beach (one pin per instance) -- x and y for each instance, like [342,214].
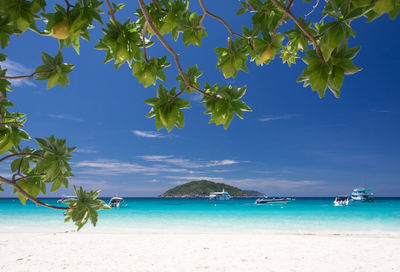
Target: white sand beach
[147,250]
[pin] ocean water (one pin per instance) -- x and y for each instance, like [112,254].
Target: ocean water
[302,215]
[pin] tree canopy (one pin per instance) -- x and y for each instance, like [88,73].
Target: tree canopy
[321,44]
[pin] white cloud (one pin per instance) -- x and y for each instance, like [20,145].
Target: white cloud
[85,150]
[382,111]
[65,117]
[267,183]
[148,134]
[277,117]
[187,163]
[16,69]
[191,178]
[114,167]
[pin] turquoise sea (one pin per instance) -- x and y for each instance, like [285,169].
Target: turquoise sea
[301,215]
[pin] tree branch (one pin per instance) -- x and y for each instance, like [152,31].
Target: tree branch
[206,12]
[28,196]
[170,50]
[29,176]
[112,15]
[27,76]
[314,7]
[302,28]
[21,155]
[281,20]
[11,124]
[68,5]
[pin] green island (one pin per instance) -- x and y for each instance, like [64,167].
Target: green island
[202,189]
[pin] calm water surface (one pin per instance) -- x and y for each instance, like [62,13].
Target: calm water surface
[301,215]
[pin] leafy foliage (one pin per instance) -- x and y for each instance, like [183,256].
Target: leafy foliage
[147,71]
[84,208]
[121,44]
[167,108]
[223,108]
[54,70]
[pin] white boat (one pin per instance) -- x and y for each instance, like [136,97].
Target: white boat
[273,199]
[362,194]
[341,200]
[219,195]
[116,202]
[65,198]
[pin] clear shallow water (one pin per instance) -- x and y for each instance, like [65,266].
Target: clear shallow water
[302,215]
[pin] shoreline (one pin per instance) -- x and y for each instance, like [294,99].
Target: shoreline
[185,231]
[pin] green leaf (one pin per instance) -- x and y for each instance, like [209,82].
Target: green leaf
[347,65]
[335,80]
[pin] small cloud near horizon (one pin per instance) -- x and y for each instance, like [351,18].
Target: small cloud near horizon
[278,117]
[381,111]
[148,134]
[65,117]
[187,163]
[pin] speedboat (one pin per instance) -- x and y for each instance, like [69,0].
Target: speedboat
[273,199]
[116,202]
[219,195]
[341,200]
[65,198]
[362,194]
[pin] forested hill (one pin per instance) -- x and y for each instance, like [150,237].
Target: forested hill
[202,188]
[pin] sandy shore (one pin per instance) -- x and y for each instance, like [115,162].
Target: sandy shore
[146,250]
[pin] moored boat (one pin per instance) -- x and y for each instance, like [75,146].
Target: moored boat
[273,199]
[219,195]
[362,194]
[116,202]
[341,200]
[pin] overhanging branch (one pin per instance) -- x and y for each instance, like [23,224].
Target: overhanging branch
[168,47]
[302,28]
[28,196]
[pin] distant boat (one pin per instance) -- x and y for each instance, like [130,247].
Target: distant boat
[273,199]
[116,202]
[362,194]
[341,200]
[219,195]
[65,198]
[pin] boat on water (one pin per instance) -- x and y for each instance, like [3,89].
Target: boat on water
[116,202]
[341,200]
[362,194]
[273,199]
[65,198]
[219,195]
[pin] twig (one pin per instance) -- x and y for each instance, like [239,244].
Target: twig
[30,176]
[19,170]
[27,76]
[206,12]
[21,155]
[177,95]
[314,7]
[302,28]
[112,15]
[28,196]
[251,7]
[11,124]
[281,20]
[144,42]
[170,50]
[68,5]
[156,5]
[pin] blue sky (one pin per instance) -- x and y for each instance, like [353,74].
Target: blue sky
[293,143]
